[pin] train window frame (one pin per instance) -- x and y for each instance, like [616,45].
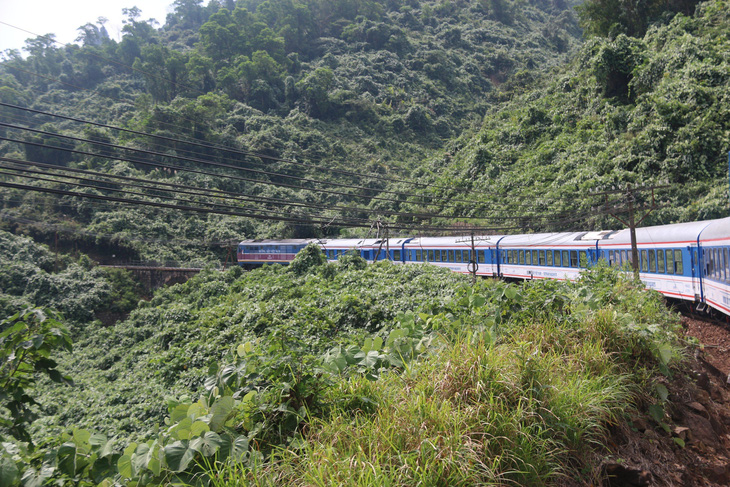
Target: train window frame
[541,257]
[450,255]
[460,255]
[678,262]
[396,254]
[583,259]
[528,257]
[521,254]
[482,256]
[565,258]
[429,257]
[727,265]
[670,261]
[549,258]
[644,260]
[574,258]
[534,257]
[661,265]
[652,260]
[419,254]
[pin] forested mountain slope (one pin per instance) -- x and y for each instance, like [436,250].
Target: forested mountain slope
[652,110]
[377,87]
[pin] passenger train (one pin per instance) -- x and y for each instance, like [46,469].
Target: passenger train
[688,261]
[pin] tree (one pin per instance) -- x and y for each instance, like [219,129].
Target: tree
[27,340]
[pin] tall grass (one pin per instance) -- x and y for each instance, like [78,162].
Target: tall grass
[528,408]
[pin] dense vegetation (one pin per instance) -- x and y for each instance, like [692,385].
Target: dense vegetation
[341,373]
[301,364]
[626,111]
[375,87]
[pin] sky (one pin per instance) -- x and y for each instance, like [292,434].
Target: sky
[64,17]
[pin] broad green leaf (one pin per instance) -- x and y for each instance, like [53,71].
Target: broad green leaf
[241,350]
[67,459]
[377,343]
[98,439]
[130,449]
[510,292]
[81,437]
[478,301]
[9,473]
[248,397]
[394,335]
[198,428]
[181,430]
[662,392]
[368,345]
[124,466]
[207,444]
[239,448]
[179,455]
[179,413]
[220,411]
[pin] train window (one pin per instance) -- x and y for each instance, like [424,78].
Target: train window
[430,256]
[727,265]
[460,255]
[418,255]
[660,261]
[644,261]
[482,256]
[541,258]
[522,257]
[678,267]
[549,261]
[652,261]
[670,261]
[566,258]
[396,255]
[534,257]
[573,258]
[528,257]
[583,261]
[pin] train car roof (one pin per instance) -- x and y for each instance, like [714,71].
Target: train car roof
[561,239]
[717,230]
[348,243]
[460,241]
[676,233]
[292,241]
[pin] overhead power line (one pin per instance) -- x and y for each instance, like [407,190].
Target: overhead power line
[276,159]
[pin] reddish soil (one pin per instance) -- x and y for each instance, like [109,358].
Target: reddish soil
[695,451]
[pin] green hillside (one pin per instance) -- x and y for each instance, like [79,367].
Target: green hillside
[640,111]
[317,118]
[372,87]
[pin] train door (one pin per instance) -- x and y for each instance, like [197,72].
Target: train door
[695,257]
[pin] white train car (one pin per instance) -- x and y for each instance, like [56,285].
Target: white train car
[714,242]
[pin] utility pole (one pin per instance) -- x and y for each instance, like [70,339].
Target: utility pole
[473,261]
[387,244]
[630,193]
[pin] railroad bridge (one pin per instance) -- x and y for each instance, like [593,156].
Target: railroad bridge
[156,276]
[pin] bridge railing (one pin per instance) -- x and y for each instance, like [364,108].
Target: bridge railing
[170,264]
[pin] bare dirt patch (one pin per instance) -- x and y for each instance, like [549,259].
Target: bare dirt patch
[692,448]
